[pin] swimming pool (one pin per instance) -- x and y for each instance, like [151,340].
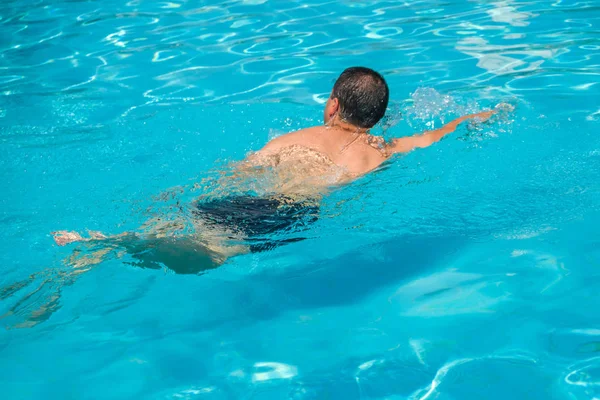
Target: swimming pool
[467,270]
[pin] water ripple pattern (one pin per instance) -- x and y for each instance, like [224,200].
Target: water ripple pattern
[468,270]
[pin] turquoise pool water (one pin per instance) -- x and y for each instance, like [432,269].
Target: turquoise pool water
[469,270]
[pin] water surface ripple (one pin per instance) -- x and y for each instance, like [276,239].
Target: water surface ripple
[468,270]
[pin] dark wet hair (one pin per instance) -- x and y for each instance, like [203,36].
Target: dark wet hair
[363,95]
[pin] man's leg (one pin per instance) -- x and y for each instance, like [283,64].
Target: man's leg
[185,254]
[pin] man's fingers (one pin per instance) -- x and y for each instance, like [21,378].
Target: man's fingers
[504,107]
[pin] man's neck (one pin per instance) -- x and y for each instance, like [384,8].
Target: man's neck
[338,123]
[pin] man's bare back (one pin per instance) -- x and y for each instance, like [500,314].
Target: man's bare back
[357,152]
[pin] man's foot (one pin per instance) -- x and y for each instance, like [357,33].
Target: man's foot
[95,235]
[63,238]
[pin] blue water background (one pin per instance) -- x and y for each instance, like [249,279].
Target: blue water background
[468,270]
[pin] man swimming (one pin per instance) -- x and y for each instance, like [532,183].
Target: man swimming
[289,174]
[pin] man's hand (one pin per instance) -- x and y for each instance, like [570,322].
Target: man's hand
[481,116]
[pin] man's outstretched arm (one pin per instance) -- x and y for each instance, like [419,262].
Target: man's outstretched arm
[406,144]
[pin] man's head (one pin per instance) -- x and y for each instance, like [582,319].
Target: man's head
[360,97]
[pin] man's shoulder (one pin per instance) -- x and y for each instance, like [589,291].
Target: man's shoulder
[313,130]
[301,135]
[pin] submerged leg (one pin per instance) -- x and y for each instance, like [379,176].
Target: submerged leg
[181,254]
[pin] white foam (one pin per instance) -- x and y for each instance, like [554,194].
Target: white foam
[276,371]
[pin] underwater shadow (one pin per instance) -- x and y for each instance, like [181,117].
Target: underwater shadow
[355,275]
